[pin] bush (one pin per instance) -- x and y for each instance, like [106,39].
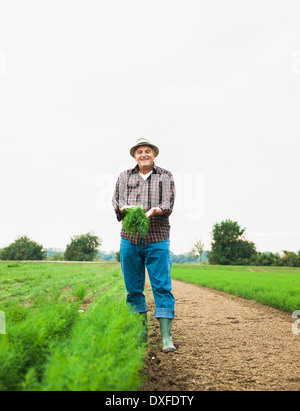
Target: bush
[23,249]
[56,257]
[82,248]
[229,247]
[267,259]
[290,259]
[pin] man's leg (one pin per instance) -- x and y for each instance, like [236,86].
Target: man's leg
[158,263]
[133,268]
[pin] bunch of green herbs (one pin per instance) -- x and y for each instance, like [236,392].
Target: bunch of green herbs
[136,221]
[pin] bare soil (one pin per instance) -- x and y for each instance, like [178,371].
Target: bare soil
[224,343]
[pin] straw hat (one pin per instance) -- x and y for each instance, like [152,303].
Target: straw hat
[144,142]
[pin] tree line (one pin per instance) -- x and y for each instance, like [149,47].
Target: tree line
[228,247]
[83,247]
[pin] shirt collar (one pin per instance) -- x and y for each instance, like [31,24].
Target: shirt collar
[136,169]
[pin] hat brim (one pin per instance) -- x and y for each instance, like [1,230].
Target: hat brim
[144,144]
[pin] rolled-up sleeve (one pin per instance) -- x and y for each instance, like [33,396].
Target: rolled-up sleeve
[168,193]
[118,200]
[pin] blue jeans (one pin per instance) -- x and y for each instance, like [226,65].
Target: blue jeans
[156,257]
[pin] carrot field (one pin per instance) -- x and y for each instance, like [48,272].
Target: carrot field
[68,329]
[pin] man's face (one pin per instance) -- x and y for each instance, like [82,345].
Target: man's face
[144,156]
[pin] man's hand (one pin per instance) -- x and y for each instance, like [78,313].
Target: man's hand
[126,207]
[154,211]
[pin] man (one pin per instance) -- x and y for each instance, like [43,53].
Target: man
[153,188]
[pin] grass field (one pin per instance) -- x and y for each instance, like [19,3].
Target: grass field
[278,287]
[68,328]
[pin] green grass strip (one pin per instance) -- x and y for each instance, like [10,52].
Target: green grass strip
[276,287]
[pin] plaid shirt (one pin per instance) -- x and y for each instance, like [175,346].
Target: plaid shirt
[158,190]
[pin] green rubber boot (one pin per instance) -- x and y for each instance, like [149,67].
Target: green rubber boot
[166,336]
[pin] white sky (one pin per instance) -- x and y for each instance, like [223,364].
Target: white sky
[215,84]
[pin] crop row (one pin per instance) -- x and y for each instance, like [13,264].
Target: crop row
[52,344]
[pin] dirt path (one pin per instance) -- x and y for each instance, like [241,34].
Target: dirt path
[223,343]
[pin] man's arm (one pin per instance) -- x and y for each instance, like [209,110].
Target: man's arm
[168,195]
[118,200]
[166,186]
[125,207]
[154,211]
